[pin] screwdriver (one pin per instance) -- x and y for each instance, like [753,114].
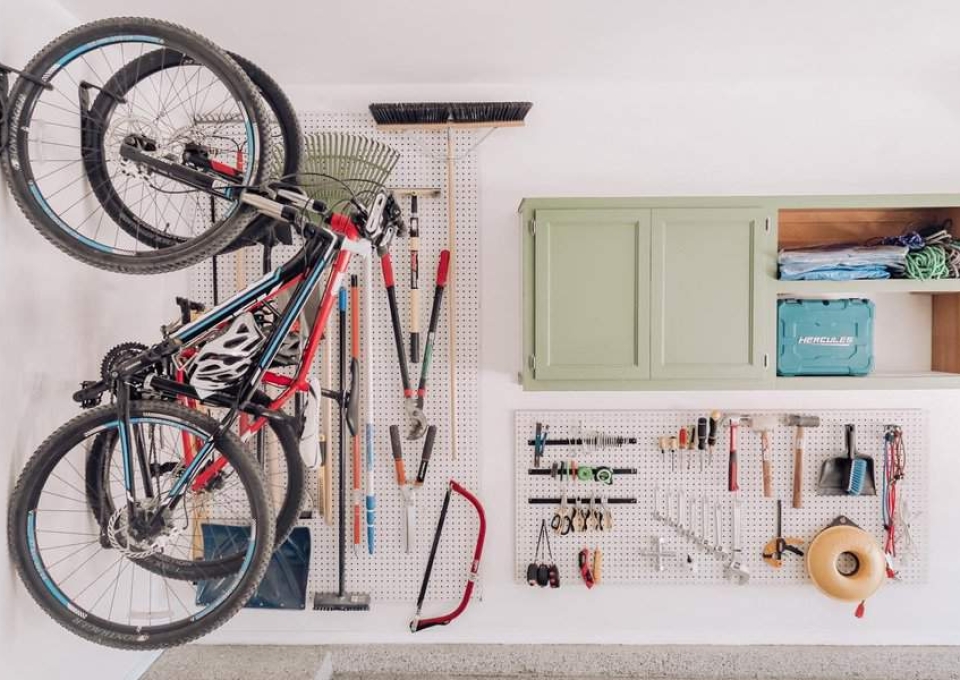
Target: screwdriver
[702,439]
[664,445]
[673,453]
[712,435]
[683,445]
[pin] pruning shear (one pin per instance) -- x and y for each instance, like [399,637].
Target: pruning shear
[408,490]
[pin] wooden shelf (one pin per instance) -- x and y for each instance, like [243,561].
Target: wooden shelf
[866,287]
[874,381]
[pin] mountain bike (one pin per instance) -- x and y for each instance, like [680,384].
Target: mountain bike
[91,101]
[105,517]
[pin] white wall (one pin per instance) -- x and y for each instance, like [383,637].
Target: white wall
[57,318]
[686,136]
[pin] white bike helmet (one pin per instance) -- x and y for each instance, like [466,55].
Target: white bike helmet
[225,359]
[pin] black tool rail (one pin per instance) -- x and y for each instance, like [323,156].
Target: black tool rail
[588,499]
[577,441]
[547,472]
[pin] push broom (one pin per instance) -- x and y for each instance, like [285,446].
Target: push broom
[433,116]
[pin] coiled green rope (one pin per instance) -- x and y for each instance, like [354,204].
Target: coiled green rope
[927,263]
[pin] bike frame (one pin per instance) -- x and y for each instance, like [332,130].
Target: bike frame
[303,274]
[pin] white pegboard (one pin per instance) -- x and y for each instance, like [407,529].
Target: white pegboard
[635,525]
[389,574]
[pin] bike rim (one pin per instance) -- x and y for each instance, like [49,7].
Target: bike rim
[103,585]
[172,106]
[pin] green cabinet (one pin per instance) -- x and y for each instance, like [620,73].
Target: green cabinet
[645,296]
[592,295]
[680,293]
[705,321]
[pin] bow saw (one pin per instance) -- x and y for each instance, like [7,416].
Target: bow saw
[417,623]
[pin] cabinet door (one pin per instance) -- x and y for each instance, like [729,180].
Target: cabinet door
[705,320]
[592,295]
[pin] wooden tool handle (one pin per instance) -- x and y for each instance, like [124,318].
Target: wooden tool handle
[767,464]
[798,471]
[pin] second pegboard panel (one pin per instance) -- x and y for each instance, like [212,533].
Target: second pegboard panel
[628,548]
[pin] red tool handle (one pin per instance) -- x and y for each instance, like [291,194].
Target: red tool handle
[386,266]
[732,484]
[443,268]
[397,449]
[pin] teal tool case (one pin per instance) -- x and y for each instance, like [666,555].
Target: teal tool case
[824,337]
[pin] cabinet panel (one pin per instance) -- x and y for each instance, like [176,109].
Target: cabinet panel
[592,294]
[705,319]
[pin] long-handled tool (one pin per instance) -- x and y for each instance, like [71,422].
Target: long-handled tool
[418,425]
[418,624]
[851,474]
[408,489]
[371,489]
[409,399]
[764,424]
[778,546]
[356,465]
[325,471]
[448,117]
[341,600]
[800,422]
[414,226]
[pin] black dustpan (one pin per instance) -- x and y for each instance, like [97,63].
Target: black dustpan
[835,472]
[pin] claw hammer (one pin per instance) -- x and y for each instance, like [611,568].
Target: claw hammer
[764,424]
[734,421]
[800,422]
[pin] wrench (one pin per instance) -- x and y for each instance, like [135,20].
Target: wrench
[735,570]
[704,541]
[717,529]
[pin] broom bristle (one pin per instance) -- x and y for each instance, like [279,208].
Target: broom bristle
[432,113]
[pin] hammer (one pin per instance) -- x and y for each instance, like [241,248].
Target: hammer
[764,424]
[800,422]
[734,421]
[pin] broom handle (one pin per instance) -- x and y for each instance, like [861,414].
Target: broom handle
[452,309]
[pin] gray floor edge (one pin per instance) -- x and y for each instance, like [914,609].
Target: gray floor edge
[662,662]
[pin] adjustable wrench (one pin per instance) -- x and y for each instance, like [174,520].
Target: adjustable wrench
[735,570]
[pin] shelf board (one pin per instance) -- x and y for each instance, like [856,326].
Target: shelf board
[866,287]
[874,381]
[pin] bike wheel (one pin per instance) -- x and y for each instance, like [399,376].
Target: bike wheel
[64,163]
[280,122]
[88,581]
[283,474]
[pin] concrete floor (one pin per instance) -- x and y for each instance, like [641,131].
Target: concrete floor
[566,662]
